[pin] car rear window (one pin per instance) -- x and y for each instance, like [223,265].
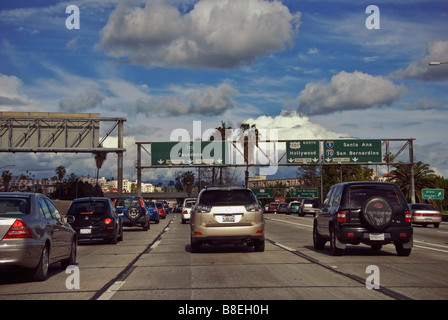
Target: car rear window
[423,206]
[227,197]
[14,205]
[128,202]
[356,196]
[150,204]
[96,208]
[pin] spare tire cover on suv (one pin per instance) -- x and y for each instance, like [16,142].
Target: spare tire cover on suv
[377,213]
[133,213]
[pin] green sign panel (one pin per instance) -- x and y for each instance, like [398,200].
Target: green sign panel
[433,194]
[352,151]
[302,151]
[304,193]
[188,153]
[264,193]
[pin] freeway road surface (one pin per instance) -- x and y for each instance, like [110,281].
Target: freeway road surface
[157,264]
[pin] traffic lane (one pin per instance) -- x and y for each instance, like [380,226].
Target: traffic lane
[422,275]
[98,264]
[170,271]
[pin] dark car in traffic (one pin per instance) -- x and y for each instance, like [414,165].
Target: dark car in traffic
[373,213]
[33,234]
[95,218]
[132,211]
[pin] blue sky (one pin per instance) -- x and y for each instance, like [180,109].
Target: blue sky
[310,69]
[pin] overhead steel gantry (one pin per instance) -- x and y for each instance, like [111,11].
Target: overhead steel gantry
[390,150]
[60,133]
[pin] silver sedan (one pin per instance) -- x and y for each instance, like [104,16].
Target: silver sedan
[424,214]
[33,234]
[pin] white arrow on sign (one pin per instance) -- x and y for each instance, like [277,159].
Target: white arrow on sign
[290,160]
[219,161]
[315,160]
[355,159]
[328,159]
[160,161]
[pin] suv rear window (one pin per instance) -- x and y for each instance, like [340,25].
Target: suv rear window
[96,208]
[128,202]
[356,196]
[14,205]
[227,197]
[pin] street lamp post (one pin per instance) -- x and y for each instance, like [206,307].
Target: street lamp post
[436,63]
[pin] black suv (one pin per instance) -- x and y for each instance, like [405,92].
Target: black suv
[95,218]
[373,213]
[133,212]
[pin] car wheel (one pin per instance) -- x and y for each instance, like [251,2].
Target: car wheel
[377,212]
[318,241]
[334,249]
[72,259]
[401,251]
[41,272]
[133,213]
[259,246]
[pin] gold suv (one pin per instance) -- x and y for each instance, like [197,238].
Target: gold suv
[227,215]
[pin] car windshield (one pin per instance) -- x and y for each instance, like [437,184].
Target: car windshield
[358,195]
[14,205]
[227,197]
[423,206]
[96,208]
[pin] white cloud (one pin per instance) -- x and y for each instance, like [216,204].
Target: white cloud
[214,34]
[11,97]
[348,91]
[291,126]
[82,102]
[420,69]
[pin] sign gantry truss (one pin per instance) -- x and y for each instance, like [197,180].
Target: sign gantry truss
[60,133]
[274,153]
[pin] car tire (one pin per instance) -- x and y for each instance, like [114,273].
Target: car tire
[334,249]
[41,272]
[133,213]
[318,241]
[72,259]
[259,246]
[401,250]
[377,213]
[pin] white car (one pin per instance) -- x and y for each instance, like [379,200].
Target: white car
[186,208]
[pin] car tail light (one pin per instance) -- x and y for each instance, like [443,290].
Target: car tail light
[342,216]
[141,202]
[108,221]
[407,217]
[18,230]
[115,202]
[185,212]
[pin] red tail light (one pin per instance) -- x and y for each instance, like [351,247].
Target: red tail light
[18,230]
[407,217]
[115,202]
[185,212]
[342,216]
[108,221]
[141,203]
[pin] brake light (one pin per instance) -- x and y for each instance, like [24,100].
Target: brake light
[185,212]
[342,216]
[18,230]
[407,217]
[108,221]
[115,202]
[141,202]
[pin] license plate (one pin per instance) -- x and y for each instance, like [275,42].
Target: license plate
[228,218]
[85,231]
[376,236]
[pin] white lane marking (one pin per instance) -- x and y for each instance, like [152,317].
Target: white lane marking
[111,291]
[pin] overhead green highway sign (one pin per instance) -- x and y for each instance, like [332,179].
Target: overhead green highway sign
[188,153]
[433,194]
[302,151]
[353,151]
[264,192]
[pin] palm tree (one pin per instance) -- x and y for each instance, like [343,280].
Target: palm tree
[60,172]
[222,133]
[6,178]
[424,177]
[100,157]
